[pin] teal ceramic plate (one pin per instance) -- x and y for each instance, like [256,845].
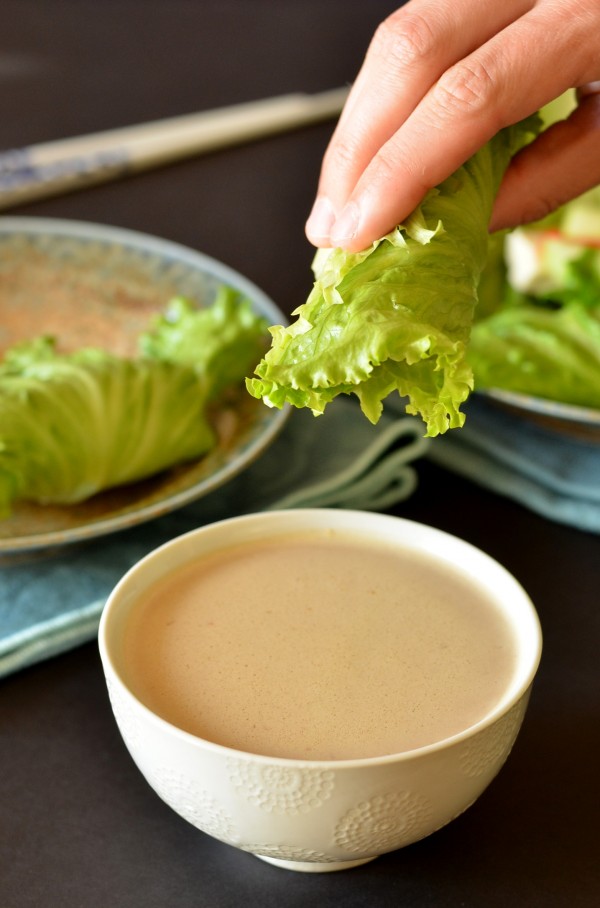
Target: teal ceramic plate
[89,284]
[567,419]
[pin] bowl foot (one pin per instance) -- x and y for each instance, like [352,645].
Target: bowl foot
[315,866]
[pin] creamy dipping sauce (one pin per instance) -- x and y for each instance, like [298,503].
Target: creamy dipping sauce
[318,646]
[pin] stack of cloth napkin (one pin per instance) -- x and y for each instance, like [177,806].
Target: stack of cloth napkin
[554,473]
[52,603]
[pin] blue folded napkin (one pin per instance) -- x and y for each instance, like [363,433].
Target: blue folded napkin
[552,473]
[52,603]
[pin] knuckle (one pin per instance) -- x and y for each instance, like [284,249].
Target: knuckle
[341,156]
[537,208]
[384,172]
[468,88]
[404,39]
[527,204]
[391,170]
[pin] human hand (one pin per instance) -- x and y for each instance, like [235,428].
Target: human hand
[439,79]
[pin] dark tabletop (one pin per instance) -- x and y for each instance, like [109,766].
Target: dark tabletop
[78,824]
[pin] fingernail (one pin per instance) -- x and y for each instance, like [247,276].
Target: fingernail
[320,219]
[346,226]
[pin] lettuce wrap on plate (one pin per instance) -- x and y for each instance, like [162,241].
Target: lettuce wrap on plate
[74,424]
[540,334]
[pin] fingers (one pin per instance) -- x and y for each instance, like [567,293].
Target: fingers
[409,52]
[561,164]
[463,110]
[407,126]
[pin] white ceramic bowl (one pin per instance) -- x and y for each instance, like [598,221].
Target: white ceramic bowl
[320,815]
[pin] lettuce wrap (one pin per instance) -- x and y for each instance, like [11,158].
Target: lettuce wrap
[397,316]
[74,424]
[542,338]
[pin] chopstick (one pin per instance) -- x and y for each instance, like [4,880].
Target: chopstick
[52,168]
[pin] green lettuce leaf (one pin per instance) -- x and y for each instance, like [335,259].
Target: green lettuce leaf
[531,349]
[542,337]
[397,316]
[558,258]
[221,342]
[72,425]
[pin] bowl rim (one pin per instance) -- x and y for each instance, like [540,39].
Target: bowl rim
[339,517]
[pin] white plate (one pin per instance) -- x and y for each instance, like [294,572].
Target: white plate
[92,285]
